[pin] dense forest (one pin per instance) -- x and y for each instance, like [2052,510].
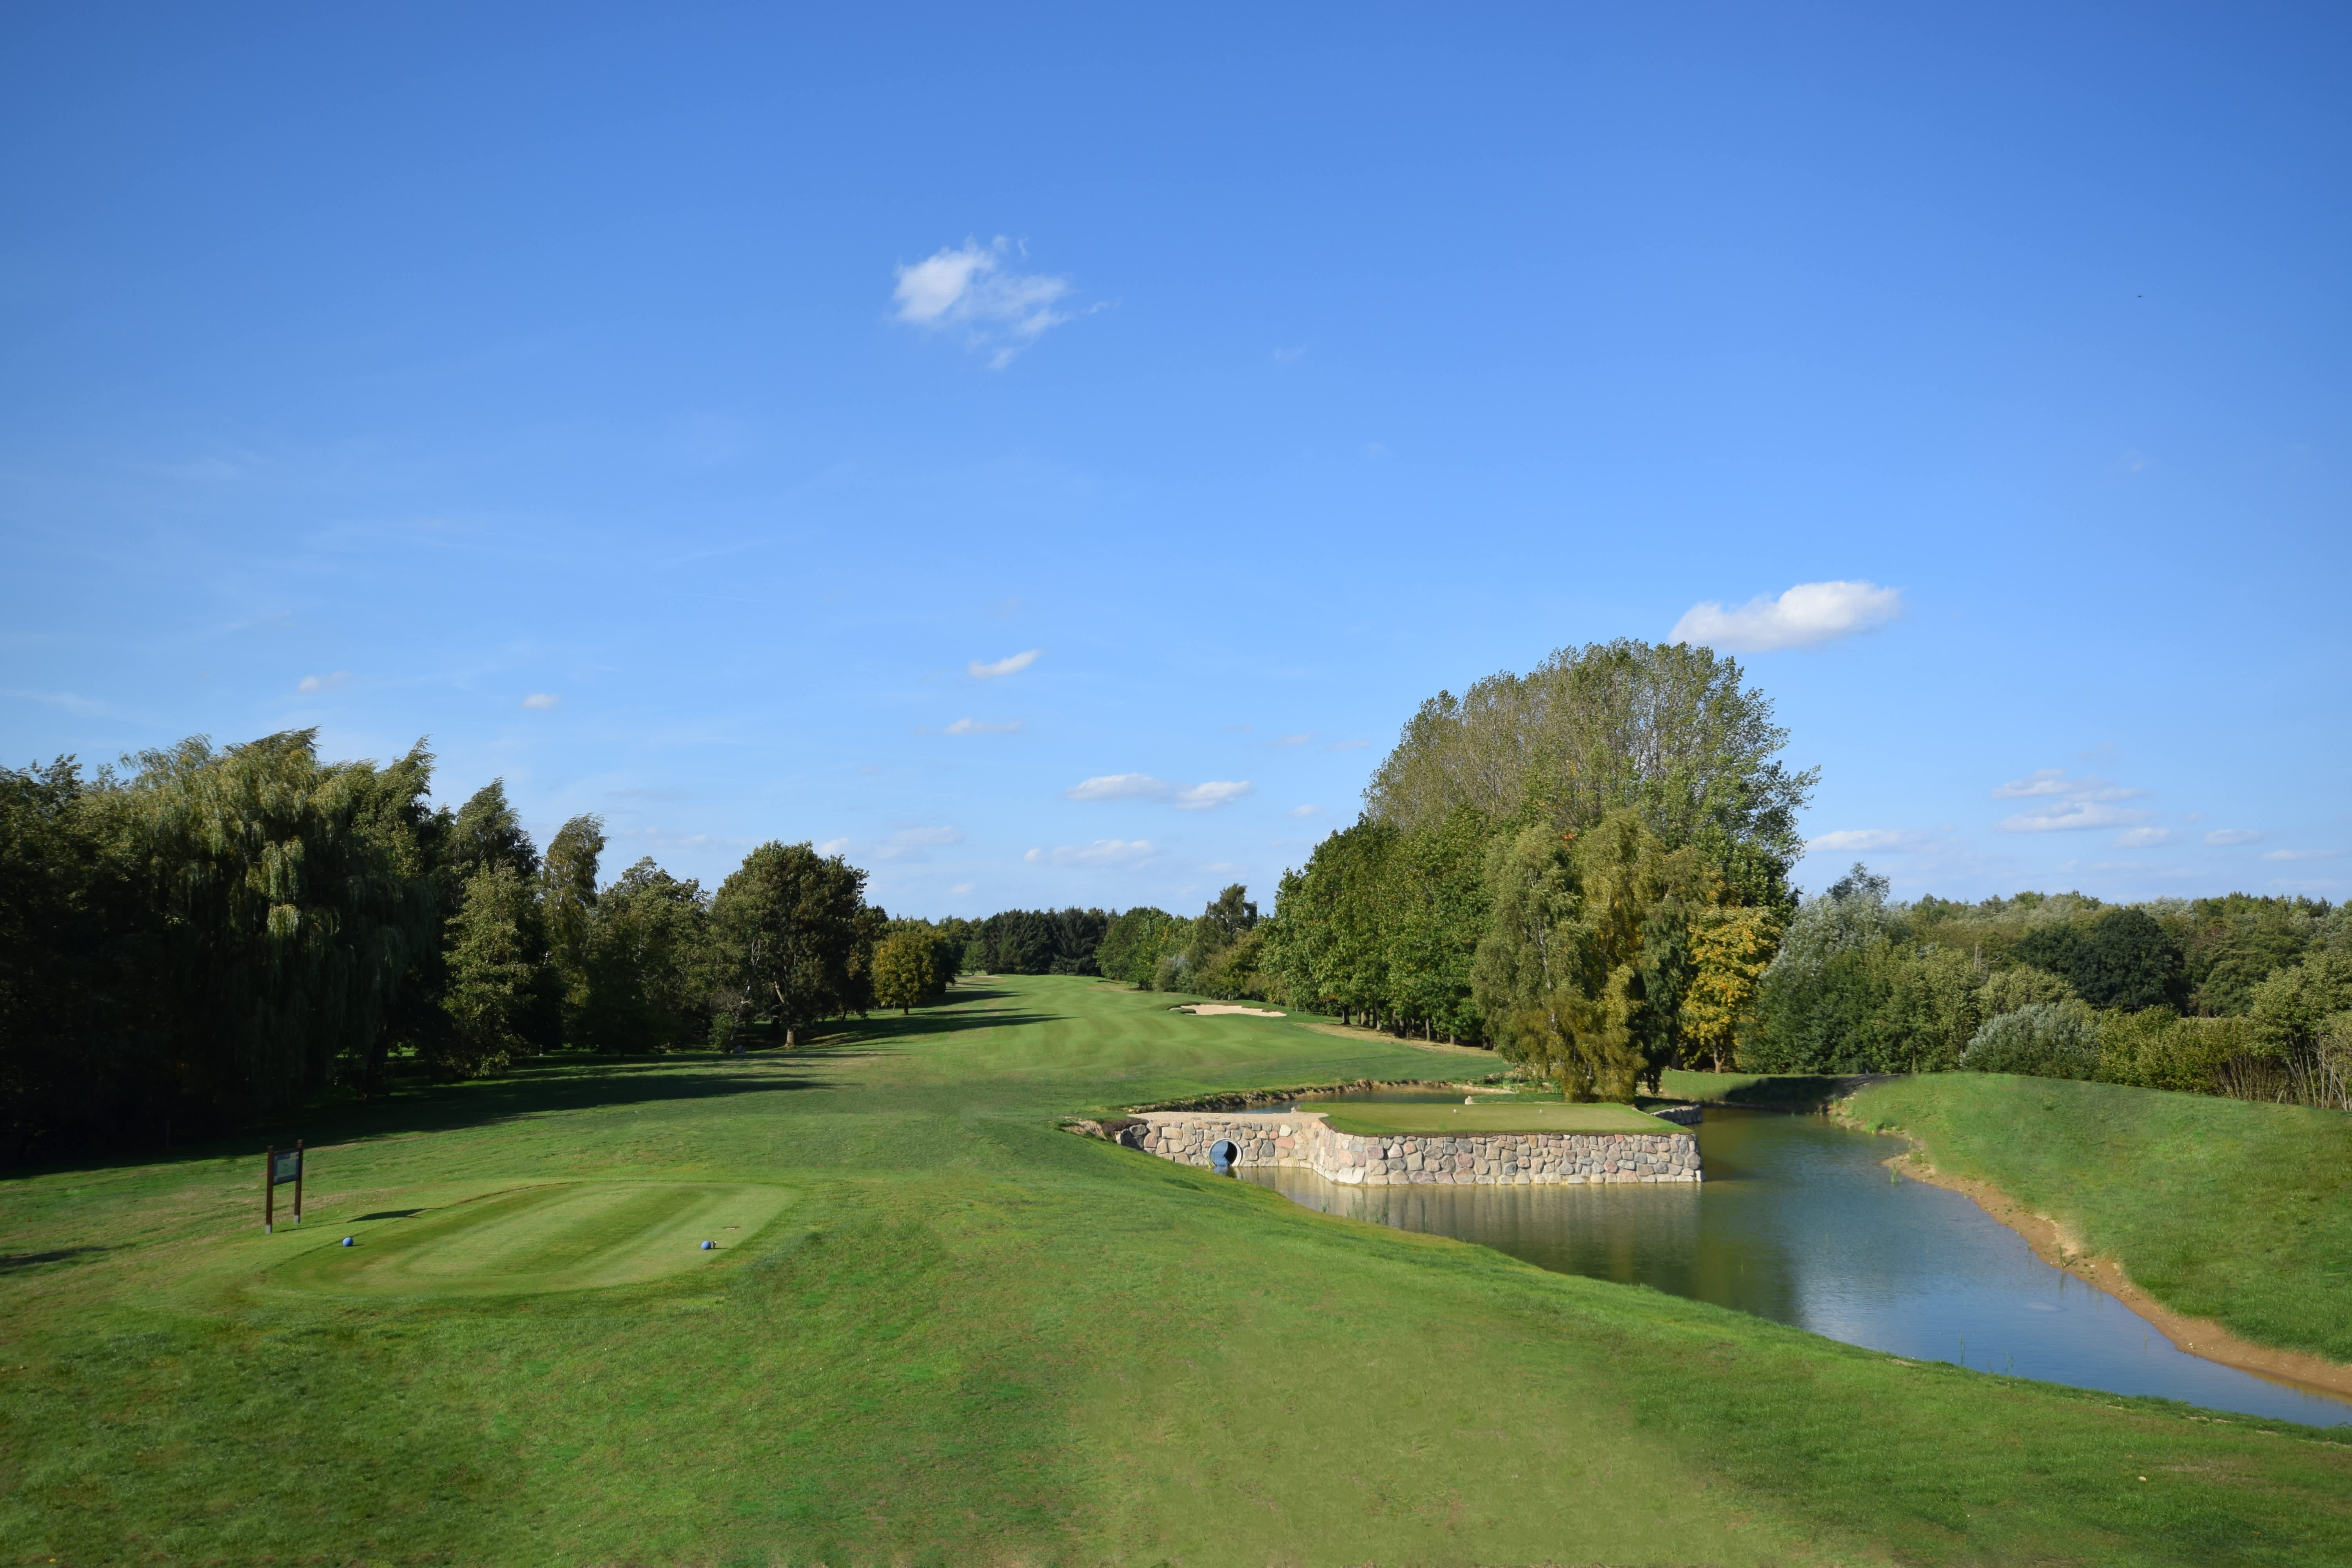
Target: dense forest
[1586,868]
[211,938]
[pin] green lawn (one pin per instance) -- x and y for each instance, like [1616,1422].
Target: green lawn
[2219,1208]
[942,1331]
[1377,1117]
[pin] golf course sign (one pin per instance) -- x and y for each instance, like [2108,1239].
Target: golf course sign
[281,1165]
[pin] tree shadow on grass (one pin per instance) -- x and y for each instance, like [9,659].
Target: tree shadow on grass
[17,1262]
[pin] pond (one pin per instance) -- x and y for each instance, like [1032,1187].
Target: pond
[1798,1221]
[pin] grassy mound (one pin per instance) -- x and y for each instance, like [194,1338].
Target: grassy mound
[972,1338]
[1390,1117]
[2219,1208]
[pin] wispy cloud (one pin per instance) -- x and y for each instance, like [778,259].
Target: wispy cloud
[1101,852]
[1302,811]
[975,726]
[1852,838]
[908,842]
[2301,854]
[313,683]
[71,703]
[2068,803]
[959,889]
[1806,615]
[1298,739]
[1347,746]
[1012,664]
[1120,786]
[971,288]
[2144,837]
[834,847]
[2231,836]
[1143,786]
[542,701]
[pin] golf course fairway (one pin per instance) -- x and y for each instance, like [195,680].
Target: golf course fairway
[944,1332]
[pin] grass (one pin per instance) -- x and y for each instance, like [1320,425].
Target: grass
[960,1336]
[2219,1208]
[1378,1117]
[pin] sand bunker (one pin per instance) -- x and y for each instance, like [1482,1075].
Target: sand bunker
[1204,1009]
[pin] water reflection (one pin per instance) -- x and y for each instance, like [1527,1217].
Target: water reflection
[1797,1221]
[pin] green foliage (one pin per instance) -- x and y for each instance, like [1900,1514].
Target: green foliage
[2122,959]
[1138,941]
[2043,1039]
[1039,941]
[648,966]
[1665,731]
[567,882]
[504,998]
[908,965]
[793,942]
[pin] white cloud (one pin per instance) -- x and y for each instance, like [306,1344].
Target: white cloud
[1302,811]
[1202,797]
[1101,852]
[1298,739]
[2069,804]
[1120,786]
[2231,836]
[1347,746]
[959,889]
[310,683]
[2144,837]
[2065,817]
[834,847]
[1143,786]
[1847,839]
[2048,781]
[1806,615]
[970,288]
[975,726]
[1012,665]
[2301,854]
[542,701]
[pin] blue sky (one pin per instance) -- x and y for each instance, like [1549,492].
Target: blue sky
[1049,453]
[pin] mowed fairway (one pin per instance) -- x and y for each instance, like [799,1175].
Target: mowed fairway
[943,1332]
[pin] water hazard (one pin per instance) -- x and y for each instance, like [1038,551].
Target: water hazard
[1798,1221]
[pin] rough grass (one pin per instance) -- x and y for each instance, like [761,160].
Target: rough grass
[967,1338]
[2219,1208]
[1375,1117]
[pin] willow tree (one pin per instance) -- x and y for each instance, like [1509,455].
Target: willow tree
[1586,960]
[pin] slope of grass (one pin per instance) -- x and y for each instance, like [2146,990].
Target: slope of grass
[1378,1117]
[2219,1208]
[962,1336]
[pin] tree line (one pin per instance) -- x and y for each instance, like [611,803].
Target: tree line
[208,938]
[2238,995]
[1585,867]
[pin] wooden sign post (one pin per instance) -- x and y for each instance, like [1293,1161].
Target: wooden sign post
[281,1165]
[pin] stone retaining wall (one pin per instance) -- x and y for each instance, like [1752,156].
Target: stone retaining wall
[1304,1140]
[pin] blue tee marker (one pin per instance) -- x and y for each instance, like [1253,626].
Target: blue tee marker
[347,1241]
[709,1245]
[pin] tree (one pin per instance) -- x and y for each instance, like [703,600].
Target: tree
[2122,959]
[1134,943]
[905,975]
[648,965]
[567,884]
[504,1000]
[1730,950]
[1584,968]
[792,939]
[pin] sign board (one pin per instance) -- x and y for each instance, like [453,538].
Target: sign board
[286,1166]
[279,1166]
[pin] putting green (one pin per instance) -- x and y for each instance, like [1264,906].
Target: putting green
[1377,1117]
[558,1235]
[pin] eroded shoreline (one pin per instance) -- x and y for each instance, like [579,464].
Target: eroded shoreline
[2061,1249]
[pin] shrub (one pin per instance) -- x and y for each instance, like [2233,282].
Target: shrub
[2047,1039]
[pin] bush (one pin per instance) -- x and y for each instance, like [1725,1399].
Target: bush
[2047,1039]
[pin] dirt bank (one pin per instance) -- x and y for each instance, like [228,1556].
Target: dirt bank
[2061,1249]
